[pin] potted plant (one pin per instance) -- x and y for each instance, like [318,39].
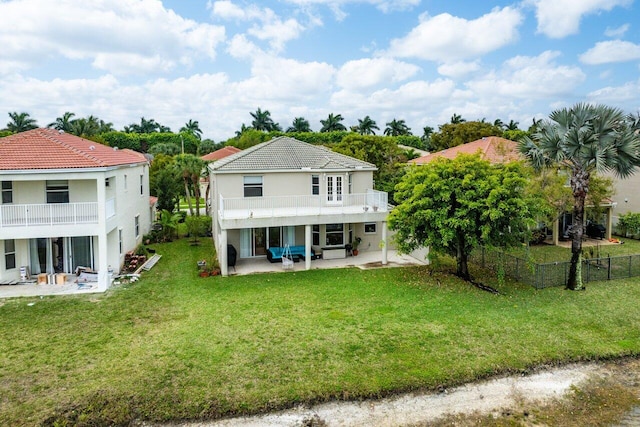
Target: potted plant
[354,245]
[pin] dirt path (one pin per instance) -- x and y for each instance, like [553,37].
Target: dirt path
[418,408]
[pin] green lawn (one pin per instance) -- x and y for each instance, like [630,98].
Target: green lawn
[176,346]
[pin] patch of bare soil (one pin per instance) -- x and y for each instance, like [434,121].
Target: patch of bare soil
[486,398]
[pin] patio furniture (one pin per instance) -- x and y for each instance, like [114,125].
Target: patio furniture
[287,258]
[274,253]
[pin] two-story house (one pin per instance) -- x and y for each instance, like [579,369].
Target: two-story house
[287,192]
[68,202]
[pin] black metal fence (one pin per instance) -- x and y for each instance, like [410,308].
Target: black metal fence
[550,274]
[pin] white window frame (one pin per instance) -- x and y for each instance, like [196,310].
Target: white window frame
[136,226]
[370,224]
[253,183]
[315,185]
[9,253]
[57,187]
[142,184]
[7,192]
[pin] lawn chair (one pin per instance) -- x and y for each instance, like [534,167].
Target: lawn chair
[287,258]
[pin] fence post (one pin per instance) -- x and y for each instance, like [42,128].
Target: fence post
[609,269]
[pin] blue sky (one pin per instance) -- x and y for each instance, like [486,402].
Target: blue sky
[216,61]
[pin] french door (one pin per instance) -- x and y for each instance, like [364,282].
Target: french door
[334,189]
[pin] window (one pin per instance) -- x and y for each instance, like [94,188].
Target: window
[315,185]
[7,192]
[125,181]
[350,184]
[370,228]
[252,186]
[9,254]
[136,226]
[120,240]
[335,234]
[315,235]
[58,191]
[142,185]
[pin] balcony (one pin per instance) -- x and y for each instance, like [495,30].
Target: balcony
[48,214]
[372,205]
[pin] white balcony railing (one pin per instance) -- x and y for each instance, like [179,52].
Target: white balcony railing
[48,214]
[281,206]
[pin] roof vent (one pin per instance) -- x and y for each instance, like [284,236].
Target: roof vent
[60,131]
[115,148]
[92,147]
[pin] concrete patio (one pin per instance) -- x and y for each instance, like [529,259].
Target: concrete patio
[33,289]
[364,260]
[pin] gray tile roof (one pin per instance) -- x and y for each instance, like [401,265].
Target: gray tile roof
[284,153]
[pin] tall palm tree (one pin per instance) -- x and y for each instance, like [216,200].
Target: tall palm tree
[498,123]
[262,121]
[366,126]
[243,129]
[104,127]
[191,167]
[63,123]
[583,139]
[456,119]
[21,122]
[192,127]
[332,123]
[85,127]
[512,125]
[299,124]
[397,128]
[146,126]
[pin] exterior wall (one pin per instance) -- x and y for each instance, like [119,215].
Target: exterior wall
[626,196]
[126,200]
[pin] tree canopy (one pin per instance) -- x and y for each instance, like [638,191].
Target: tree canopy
[582,140]
[454,134]
[454,206]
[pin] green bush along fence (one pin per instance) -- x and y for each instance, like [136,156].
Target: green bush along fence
[545,275]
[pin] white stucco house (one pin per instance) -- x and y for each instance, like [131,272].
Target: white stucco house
[68,202]
[287,192]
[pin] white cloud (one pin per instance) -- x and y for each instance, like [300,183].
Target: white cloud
[617,32]
[269,26]
[101,32]
[458,68]
[611,51]
[560,18]
[363,73]
[447,38]
[336,6]
[529,77]
[627,93]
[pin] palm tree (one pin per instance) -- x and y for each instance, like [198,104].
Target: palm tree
[332,123]
[299,124]
[498,123]
[397,128]
[366,126]
[21,122]
[104,127]
[191,167]
[262,121]
[456,119]
[583,139]
[192,127]
[63,123]
[513,125]
[146,126]
[85,127]
[243,129]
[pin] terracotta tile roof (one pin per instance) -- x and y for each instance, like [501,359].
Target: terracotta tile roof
[153,200]
[492,148]
[220,154]
[49,149]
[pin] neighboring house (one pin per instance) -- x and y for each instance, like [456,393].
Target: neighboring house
[212,157]
[69,202]
[287,192]
[500,150]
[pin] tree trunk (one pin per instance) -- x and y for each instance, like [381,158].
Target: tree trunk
[187,194]
[580,187]
[461,261]
[196,192]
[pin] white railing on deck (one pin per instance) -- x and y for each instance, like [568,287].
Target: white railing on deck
[253,207]
[48,214]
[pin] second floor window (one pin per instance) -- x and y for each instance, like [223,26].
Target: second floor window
[252,186]
[315,185]
[142,185]
[136,226]
[58,191]
[7,192]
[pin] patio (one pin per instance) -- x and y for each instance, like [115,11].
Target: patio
[33,289]
[364,260]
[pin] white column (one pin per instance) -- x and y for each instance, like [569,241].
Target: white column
[307,247]
[386,244]
[222,253]
[103,255]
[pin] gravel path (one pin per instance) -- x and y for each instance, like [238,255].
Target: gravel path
[412,408]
